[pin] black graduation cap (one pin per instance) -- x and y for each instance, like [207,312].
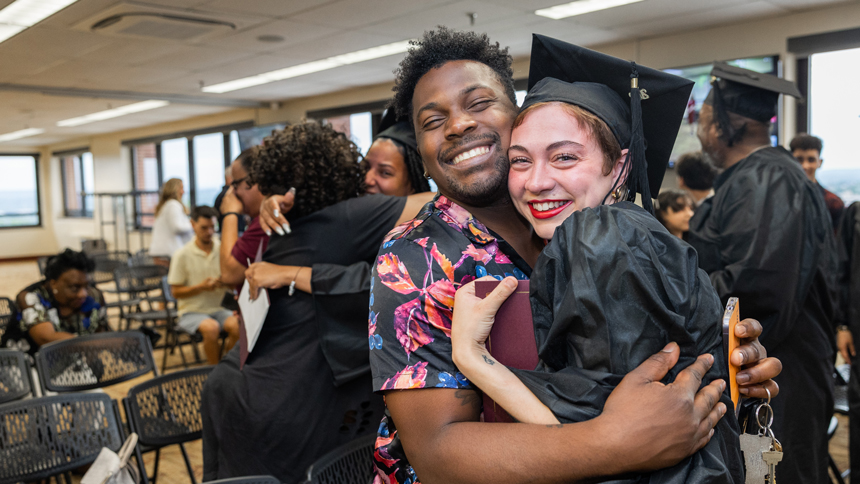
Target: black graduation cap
[748,93]
[400,131]
[643,107]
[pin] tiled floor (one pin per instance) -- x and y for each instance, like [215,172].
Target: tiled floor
[16,275]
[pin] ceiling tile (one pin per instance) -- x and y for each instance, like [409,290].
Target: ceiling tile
[292,32]
[348,14]
[59,42]
[270,8]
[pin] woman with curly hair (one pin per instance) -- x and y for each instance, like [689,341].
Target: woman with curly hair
[278,408]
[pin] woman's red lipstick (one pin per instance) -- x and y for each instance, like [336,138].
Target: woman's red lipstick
[548,213]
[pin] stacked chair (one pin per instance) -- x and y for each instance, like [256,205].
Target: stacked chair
[15,382]
[351,463]
[7,313]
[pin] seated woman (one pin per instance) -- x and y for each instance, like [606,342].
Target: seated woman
[279,410]
[674,209]
[612,286]
[61,306]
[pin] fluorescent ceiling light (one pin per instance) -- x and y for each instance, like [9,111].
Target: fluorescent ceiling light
[21,14]
[20,134]
[113,113]
[310,67]
[581,7]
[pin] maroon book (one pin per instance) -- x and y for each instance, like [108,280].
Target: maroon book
[511,340]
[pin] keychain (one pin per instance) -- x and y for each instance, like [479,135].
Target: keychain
[762,452]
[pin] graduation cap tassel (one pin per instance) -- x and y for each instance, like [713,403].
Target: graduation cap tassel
[638,177]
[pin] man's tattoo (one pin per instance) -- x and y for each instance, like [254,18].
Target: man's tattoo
[555,426]
[488,360]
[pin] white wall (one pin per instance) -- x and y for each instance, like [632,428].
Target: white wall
[113,167]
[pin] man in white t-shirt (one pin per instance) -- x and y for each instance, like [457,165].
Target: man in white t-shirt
[194,278]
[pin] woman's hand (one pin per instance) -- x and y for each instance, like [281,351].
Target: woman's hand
[272,212]
[654,426]
[474,317]
[264,274]
[231,203]
[756,379]
[845,344]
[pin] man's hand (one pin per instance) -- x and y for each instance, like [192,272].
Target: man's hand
[845,343]
[272,212]
[756,379]
[264,274]
[231,203]
[210,284]
[655,425]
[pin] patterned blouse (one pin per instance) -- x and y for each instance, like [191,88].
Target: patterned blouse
[39,306]
[420,266]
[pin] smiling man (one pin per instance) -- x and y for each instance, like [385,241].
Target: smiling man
[457,90]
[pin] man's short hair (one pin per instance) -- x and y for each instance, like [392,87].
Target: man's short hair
[435,48]
[246,159]
[67,260]
[204,211]
[805,141]
[696,171]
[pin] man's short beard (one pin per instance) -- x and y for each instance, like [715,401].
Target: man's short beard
[490,190]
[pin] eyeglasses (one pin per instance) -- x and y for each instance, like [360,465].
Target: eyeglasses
[235,183]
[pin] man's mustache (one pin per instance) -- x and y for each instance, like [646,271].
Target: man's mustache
[494,137]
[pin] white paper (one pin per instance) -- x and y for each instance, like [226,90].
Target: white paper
[253,313]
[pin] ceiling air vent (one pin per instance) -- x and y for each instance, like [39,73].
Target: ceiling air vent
[130,19]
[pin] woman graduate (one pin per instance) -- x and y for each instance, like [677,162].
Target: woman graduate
[613,286]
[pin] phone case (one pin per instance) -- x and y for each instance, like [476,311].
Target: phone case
[731,318]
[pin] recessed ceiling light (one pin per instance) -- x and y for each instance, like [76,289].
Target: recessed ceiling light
[22,14]
[581,7]
[113,113]
[310,67]
[20,134]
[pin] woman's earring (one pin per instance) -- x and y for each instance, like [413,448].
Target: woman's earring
[425,174]
[55,291]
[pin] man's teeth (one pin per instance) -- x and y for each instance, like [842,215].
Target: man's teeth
[481,150]
[544,206]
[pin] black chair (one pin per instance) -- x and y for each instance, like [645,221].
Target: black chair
[133,287]
[247,480]
[43,263]
[15,380]
[49,436]
[166,411]
[174,332]
[141,258]
[93,246]
[8,310]
[94,361]
[105,265]
[351,463]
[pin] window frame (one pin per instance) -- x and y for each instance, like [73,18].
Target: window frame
[189,137]
[78,153]
[38,213]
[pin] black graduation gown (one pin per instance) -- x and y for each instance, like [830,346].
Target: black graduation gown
[849,239]
[612,288]
[766,238]
[282,410]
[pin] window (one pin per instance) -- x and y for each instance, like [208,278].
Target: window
[209,161]
[76,170]
[199,159]
[19,191]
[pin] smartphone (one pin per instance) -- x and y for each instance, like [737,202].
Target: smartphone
[731,318]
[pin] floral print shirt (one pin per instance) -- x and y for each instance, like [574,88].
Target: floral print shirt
[420,266]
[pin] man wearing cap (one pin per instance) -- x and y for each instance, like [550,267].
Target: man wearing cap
[765,237]
[457,89]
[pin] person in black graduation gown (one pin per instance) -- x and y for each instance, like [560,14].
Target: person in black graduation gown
[765,237]
[612,286]
[279,410]
[848,238]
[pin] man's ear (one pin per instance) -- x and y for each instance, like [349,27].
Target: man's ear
[820,162]
[681,184]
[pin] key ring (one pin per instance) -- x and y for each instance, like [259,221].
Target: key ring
[764,428]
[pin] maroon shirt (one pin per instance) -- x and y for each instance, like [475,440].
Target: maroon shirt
[248,244]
